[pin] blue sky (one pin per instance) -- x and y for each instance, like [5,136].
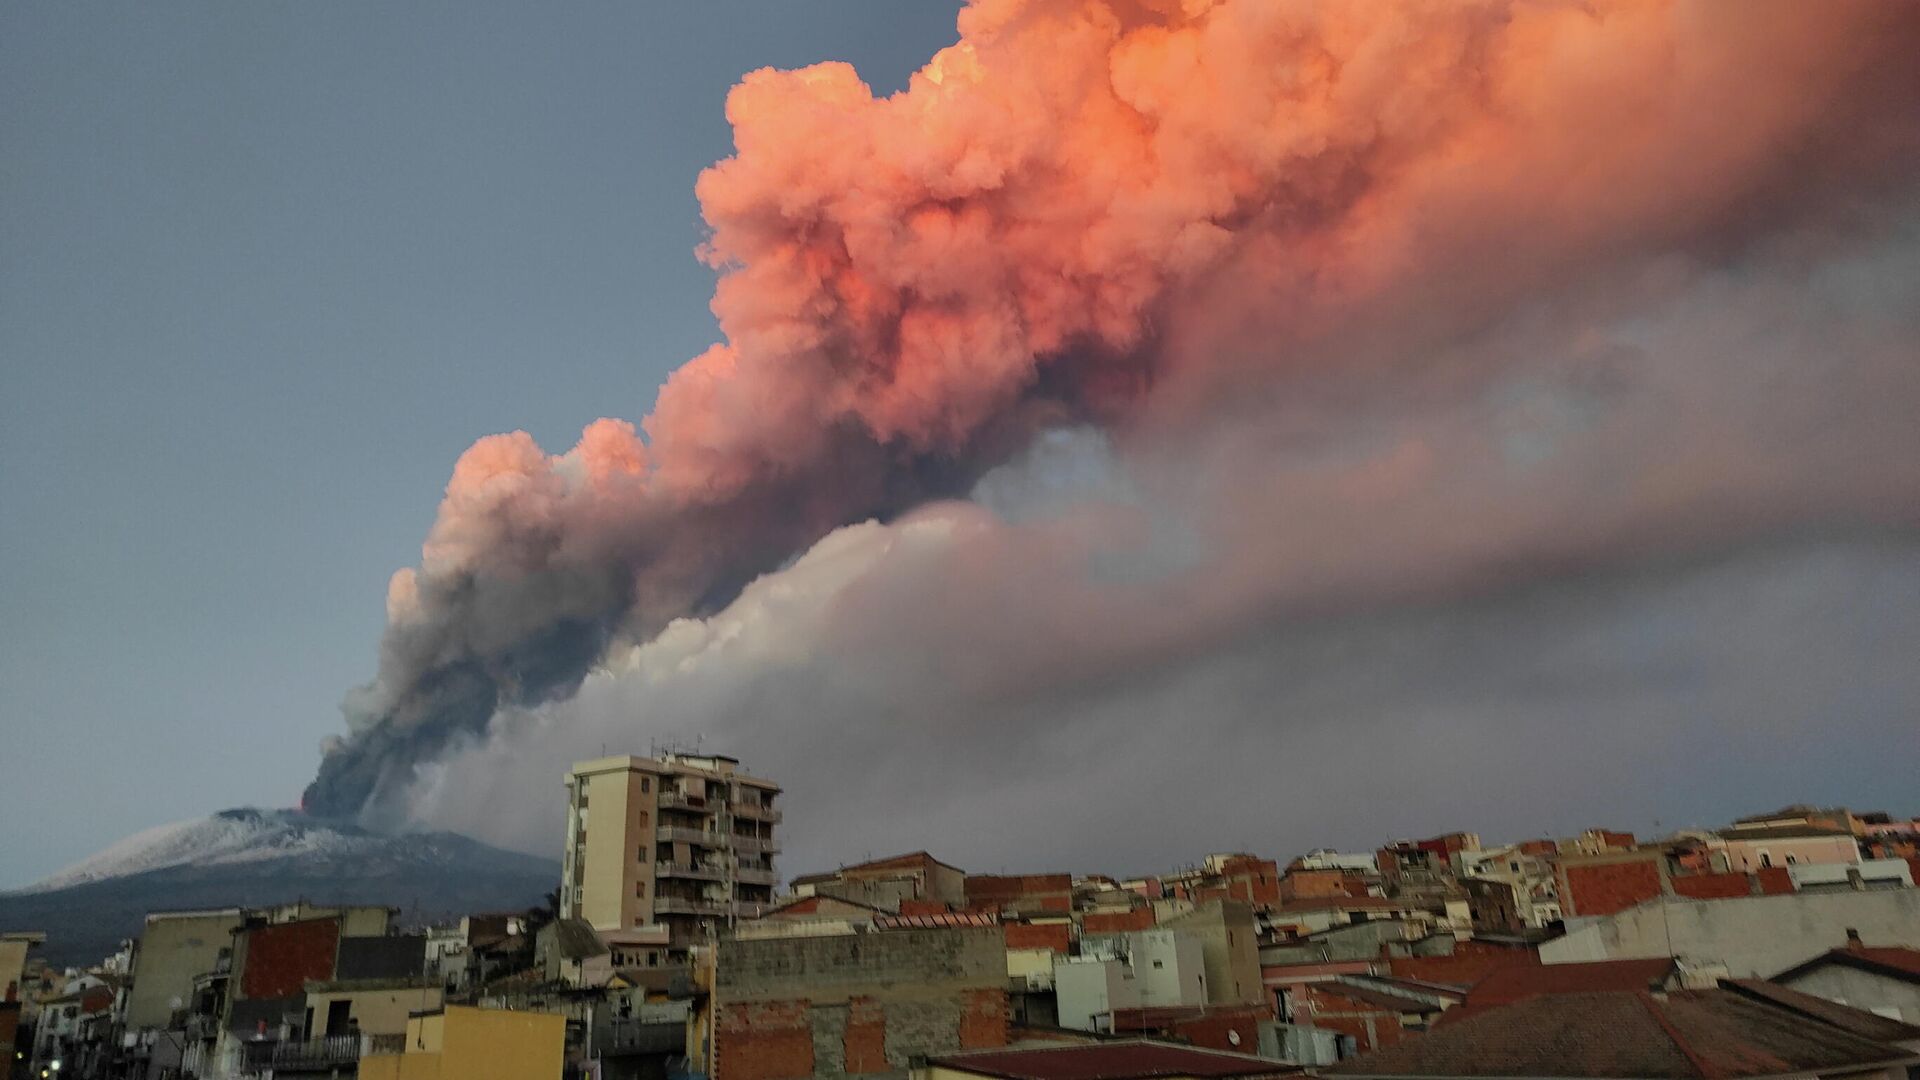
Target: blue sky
[265,270]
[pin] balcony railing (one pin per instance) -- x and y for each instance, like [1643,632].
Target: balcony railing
[680,800]
[322,1053]
[756,811]
[630,1037]
[753,876]
[754,845]
[676,905]
[670,833]
[697,871]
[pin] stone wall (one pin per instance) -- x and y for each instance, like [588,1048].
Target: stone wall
[858,1005]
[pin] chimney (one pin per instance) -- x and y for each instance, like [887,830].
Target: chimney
[1853,939]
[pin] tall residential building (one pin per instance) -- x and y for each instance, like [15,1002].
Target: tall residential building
[682,841]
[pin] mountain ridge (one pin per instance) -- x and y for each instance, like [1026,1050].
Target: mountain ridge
[252,857]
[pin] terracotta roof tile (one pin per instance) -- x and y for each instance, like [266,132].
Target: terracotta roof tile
[1127,1060]
[1686,1034]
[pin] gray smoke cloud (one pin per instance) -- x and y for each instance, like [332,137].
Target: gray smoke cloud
[1373,316]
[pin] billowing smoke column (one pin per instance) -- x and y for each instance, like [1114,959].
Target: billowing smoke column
[1031,232]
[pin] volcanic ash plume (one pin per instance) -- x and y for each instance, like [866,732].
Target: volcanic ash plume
[1082,209]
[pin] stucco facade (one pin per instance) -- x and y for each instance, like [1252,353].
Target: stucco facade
[1754,936]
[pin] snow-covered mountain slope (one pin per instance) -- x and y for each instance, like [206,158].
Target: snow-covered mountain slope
[248,857]
[230,836]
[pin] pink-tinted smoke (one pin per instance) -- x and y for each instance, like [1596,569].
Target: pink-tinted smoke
[1104,210]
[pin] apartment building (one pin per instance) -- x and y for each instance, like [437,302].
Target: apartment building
[680,840]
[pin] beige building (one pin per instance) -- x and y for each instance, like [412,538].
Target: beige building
[458,1043]
[681,841]
[175,948]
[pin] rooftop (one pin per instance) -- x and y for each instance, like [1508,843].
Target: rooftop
[1132,1059]
[1681,1035]
[1517,982]
[1854,1021]
[1894,963]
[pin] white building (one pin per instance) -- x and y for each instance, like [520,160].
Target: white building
[1142,969]
[1754,936]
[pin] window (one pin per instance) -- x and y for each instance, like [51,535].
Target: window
[1157,965]
[1792,859]
[640,889]
[1766,860]
[646,783]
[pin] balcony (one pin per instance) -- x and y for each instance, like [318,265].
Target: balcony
[680,800]
[631,1037]
[696,871]
[753,876]
[329,1052]
[754,845]
[671,833]
[755,812]
[677,905]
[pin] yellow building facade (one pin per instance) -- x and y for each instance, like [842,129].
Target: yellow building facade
[461,1043]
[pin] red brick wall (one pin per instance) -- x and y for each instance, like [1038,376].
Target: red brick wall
[1470,962]
[1775,880]
[993,890]
[1371,1028]
[1256,881]
[924,907]
[1213,1030]
[774,1040]
[984,1015]
[765,1041]
[866,1044]
[280,959]
[1604,888]
[1712,886]
[9,1029]
[1055,936]
[1118,922]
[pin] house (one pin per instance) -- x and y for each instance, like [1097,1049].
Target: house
[1746,848]
[1022,894]
[1636,1035]
[684,841]
[1145,968]
[848,1004]
[1373,1012]
[1134,1059]
[890,882]
[1751,935]
[473,1044]
[1882,981]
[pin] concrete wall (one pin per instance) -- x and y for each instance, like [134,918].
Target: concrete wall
[1084,989]
[173,949]
[476,1044]
[13,963]
[382,1011]
[855,1005]
[1230,944]
[1169,968]
[1754,936]
[1862,990]
[1745,856]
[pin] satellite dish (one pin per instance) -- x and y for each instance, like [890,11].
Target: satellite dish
[1233,1037]
[174,1002]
